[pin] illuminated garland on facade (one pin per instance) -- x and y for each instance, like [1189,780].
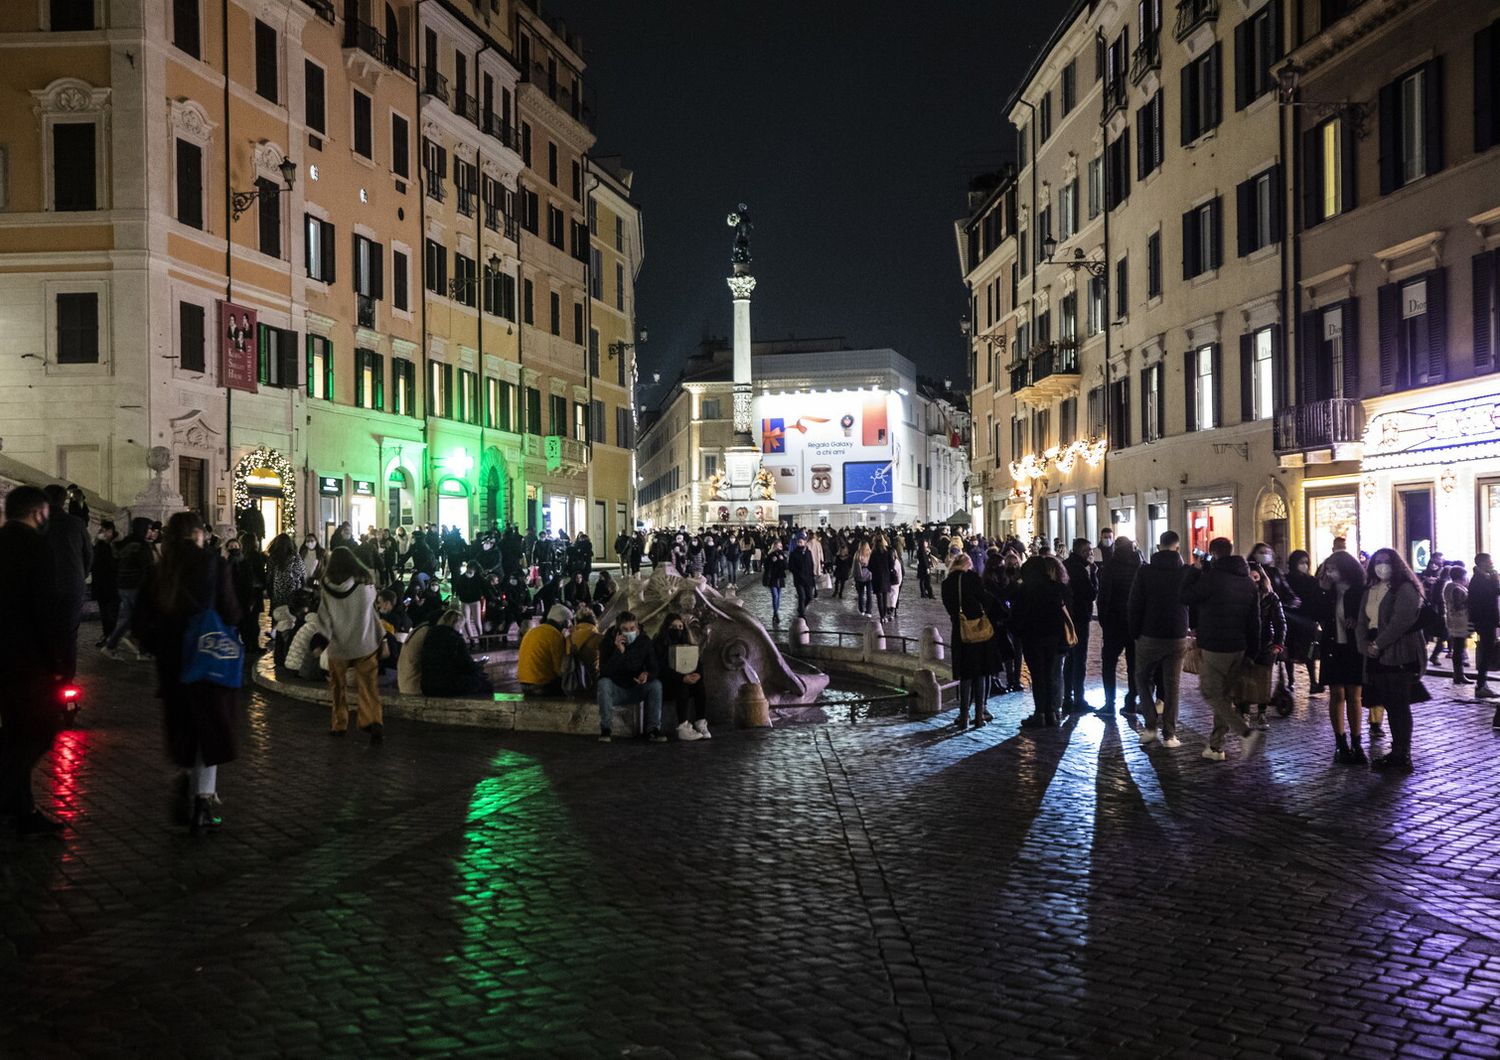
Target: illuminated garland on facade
[1035,465]
[266,457]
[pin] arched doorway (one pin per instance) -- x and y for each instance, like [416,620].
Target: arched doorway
[494,505]
[453,505]
[265,493]
[400,509]
[1273,519]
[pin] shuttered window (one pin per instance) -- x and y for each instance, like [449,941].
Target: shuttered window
[1414,332]
[74,166]
[1411,127]
[266,61]
[190,337]
[189,184]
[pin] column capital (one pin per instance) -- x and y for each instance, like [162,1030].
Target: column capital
[741,287]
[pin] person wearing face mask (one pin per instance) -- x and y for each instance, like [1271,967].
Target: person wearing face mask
[773,577]
[628,675]
[29,657]
[1456,617]
[1484,615]
[1225,609]
[1390,636]
[682,678]
[1340,665]
[1303,619]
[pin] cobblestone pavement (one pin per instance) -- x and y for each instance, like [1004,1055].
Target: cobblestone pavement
[887,889]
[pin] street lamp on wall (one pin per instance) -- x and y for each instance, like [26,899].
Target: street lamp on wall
[457,286]
[240,200]
[1076,262]
[618,348]
[1289,81]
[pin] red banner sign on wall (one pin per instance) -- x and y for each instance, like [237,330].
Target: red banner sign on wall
[239,364]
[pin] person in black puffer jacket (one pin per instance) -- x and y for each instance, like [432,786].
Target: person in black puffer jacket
[1116,576]
[1226,617]
[1158,625]
[447,667]
[1039,609]
[1083,584]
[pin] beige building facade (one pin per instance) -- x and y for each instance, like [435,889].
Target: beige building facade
[288,249]
[1395,422]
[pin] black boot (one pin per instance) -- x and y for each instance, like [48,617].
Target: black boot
[1496,723]
[1341,749]
[1395,762]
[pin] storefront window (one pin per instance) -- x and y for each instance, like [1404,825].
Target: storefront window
[1330,516]
[1069,520]
[1489,517]
[1156,525]
[1208,520]
[1054,520]
[1091,516]
[1123,520]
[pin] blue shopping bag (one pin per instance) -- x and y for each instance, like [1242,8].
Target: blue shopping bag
[211,651]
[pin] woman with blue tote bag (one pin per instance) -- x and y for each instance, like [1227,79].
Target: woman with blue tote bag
[186,617]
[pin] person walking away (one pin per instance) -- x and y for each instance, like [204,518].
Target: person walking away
[104,581]
[1116,576]
[628,675]
[882,574]
[1158,624]
[29,657]
[1083,589]
[922,561]
[1456,617]
[1431,583]
[286,574]
[353,629]
[1039,612]
[134,559]
[843,564]
[773,577]
[863,577]
[200,716]
[1227,612]
[680,667]
[72,558]
[973,660]
[1391,638]
[1484,616]
[803,571]
[1340,667]
[250,588]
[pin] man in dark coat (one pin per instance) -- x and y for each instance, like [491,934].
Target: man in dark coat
[1116,576]
[1083,584]
[72,559]
[627,675]
[1226,613]
[1158,625]
[800,565]
[133,562]
[29,655]
[1484,616]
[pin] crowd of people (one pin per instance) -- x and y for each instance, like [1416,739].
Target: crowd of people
[412,608]
[1360,626]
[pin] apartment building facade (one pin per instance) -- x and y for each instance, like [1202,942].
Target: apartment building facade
[286,248]
[1395,421]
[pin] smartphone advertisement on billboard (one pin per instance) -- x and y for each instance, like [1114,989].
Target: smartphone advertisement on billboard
[830,448]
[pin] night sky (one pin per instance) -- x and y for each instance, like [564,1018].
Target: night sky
[850,128]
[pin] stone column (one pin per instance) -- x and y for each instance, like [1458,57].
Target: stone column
[741,285]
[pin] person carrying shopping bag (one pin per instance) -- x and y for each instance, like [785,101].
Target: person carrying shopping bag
[353,629]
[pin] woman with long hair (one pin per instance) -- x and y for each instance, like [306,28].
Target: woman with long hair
[1039,610]
[862,576]
[1390,636]
[313,557]
[1340,667]
[285,570]
[1254,682]
[1456,616]
[973,663]
[200,717]
[353,628]
[1310,608]
[680,684]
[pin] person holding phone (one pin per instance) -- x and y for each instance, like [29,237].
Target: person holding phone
[628,674]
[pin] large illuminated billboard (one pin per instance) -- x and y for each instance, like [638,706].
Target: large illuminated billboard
[830,447]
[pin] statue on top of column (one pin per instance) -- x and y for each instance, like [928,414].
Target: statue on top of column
[739,220]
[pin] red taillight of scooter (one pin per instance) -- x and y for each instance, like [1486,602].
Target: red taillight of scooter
[70,695]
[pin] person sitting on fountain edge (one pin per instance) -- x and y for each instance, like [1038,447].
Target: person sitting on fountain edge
[542,655]
[627,675]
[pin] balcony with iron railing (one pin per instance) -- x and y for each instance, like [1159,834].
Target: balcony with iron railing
[512,229]
[1320,431]
[1193,13]
[435,187]
[364,311]
[541,80]
[435,85]
[1145,58]
[1114,96]
[496,125]
[1051,371]
[466,200]
[372,42]
[466,106]
[573,452]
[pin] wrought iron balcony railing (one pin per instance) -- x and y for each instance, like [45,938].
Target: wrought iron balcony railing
[1319,425]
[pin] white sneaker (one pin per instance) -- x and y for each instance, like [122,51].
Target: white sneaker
[1171,741]
[1253,744]
[685,731]
[1147,736]
[701,727]
[1214,756]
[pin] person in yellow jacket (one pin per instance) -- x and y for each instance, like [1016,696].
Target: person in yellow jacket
[543,654]
[585,641]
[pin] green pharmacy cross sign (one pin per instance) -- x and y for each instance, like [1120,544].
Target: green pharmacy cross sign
[553,450]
